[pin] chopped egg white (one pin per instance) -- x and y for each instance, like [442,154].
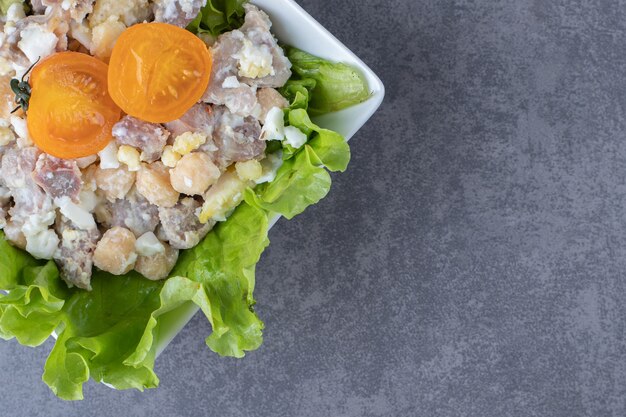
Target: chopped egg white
[274,127]
[108,157]
[255,61]
[88,200]
[78,215]
[37,42]
[42,245]
[40,221]
[188,142]
[148,245]
[231,82]
[20,127]
[294,137]
[81,32]
[129,156]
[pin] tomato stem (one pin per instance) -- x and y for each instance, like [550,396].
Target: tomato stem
[21,89]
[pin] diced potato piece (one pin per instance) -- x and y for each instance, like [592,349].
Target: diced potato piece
[127,11]
[223,197]
[104,37]
[249,170]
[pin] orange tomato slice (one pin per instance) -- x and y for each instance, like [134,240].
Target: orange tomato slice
[71,113]
[158,71]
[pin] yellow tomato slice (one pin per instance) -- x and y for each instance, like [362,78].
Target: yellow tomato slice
[158,71]
[71,113]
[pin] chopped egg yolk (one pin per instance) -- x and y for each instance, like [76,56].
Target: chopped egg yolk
[158,71]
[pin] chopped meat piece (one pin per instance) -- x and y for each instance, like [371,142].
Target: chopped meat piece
[269,98]
[236,138]
[177,12]
[199,118]
[150,138]
[75,253]
[243,60]
[240,99]
[133,212]
[58,177]
[257,29]
[181,225]
[17,166]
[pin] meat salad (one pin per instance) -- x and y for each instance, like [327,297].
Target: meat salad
[144,187]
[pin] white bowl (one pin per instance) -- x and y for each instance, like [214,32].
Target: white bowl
[293,26]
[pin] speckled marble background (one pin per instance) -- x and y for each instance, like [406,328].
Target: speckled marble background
[470,263]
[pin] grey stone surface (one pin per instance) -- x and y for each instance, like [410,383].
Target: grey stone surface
[471,261]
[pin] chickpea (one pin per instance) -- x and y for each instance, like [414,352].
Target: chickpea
[157,266]
[115,252]
[153,182]
[115,183]
[194,174]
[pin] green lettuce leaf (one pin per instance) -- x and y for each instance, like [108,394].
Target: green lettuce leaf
[330,148]
[300,182]
[5,4]
[218,16]
[337,85]
[100,330]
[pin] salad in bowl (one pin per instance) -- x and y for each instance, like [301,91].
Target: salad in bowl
[145,147]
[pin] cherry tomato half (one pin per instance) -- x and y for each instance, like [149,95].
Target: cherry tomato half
[71,113]
[158,71]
